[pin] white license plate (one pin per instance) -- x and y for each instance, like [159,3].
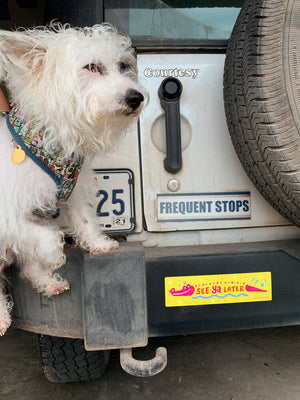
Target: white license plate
[115,200]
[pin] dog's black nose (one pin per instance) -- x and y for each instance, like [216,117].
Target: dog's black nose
[134,98]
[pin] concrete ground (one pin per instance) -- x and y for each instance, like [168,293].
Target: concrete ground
[249,365]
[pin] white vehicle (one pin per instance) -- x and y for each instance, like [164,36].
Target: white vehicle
[204,193]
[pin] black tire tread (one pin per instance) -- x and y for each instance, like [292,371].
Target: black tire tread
[258,113]
[66,360]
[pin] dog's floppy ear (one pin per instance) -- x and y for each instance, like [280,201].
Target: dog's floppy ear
[21,51]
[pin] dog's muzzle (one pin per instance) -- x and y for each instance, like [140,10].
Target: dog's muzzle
[133,99]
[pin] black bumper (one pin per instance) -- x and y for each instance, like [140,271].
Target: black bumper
[117,300]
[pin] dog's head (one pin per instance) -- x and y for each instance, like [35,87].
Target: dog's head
[80,85]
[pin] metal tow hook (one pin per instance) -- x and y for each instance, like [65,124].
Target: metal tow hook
[143,368]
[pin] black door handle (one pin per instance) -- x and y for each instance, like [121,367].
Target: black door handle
[169,93]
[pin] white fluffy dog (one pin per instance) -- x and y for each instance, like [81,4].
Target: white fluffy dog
[74,91]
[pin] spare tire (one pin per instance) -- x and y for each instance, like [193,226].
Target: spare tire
[262,99]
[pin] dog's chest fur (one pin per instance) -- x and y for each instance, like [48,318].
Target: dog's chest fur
[24,187]
[63,169]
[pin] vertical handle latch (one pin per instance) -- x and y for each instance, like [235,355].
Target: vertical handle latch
[169,93]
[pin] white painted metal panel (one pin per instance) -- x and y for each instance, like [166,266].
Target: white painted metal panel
[210,164]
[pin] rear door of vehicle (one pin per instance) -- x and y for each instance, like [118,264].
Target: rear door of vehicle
[185,42]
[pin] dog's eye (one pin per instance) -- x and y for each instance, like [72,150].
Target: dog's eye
[123,67]
[93,68]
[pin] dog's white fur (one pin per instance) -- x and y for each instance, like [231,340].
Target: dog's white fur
[51,77]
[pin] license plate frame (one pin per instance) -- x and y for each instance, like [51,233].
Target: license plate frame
[115,209]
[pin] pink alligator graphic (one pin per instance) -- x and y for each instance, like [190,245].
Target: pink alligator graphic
[185,291]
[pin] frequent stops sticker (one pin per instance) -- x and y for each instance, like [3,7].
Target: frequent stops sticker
[203,206]
[183,291]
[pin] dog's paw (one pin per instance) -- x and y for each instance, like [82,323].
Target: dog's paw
[60,261]
[56,288]
[5,322]
[103,246]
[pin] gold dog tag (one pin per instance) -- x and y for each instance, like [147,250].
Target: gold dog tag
[18,156]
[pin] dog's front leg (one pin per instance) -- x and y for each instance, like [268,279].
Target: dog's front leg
[41,243]
[84,227]
[39,252]
[43,280]
[5,308]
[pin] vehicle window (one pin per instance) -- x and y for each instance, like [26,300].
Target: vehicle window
[179,19]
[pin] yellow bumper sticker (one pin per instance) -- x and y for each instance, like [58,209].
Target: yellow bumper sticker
[183,291]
